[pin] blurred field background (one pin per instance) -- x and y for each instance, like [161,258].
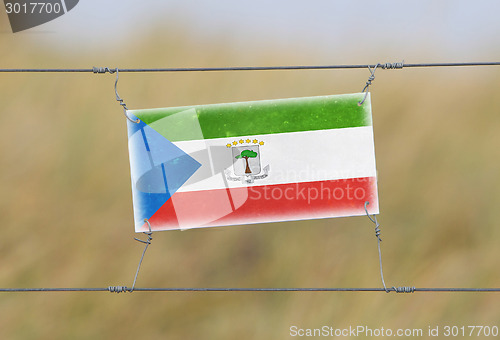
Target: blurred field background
[66,209]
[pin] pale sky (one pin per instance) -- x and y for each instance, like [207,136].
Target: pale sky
[455,30]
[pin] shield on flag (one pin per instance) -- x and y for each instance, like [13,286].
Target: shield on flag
[247,160]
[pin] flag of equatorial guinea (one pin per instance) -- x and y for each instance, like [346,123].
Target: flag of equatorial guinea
[252,162]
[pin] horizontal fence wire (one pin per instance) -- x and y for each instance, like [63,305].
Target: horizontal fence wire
[125,289]
[248,68]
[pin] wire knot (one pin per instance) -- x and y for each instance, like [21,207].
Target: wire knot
[148,241]
[403,289]
[118,289]
[368,83]
[120,100]
[378,232]
[103,70]
[374,220]
[148,233]
[392,66]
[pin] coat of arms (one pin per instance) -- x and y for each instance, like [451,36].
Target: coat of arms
[246,161]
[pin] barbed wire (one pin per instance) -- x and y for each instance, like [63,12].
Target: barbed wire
[398,65]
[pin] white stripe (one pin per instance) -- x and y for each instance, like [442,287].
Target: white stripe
[293,157]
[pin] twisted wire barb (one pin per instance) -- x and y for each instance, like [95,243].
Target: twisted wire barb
[103,70]
[404,289]
[117,289]
[392,66]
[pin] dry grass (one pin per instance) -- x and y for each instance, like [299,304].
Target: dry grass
[66,214]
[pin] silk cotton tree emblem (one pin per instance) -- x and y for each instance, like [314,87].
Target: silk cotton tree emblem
[252,162]
[246,161]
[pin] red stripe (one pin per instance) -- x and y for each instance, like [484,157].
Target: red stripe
[271,203]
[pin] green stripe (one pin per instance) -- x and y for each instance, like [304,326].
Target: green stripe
[258,118]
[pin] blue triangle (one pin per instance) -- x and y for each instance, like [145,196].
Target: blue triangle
[159,169]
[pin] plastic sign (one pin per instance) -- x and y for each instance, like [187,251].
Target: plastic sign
[252,162]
